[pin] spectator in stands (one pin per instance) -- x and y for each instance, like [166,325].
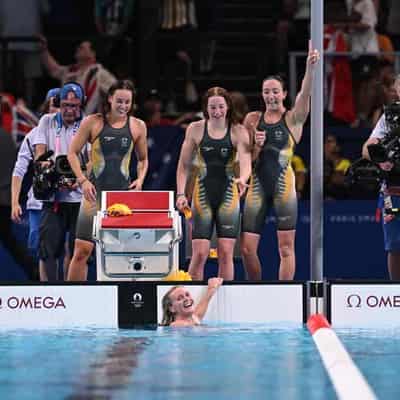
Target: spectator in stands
[177,35]
[300,174]
[363,39]
[393,23]
[113,18]
[18,251]
[215,201]
[335,169]
[389,193]
[338,82]
[274,133]
[110,163]
[152,113]
[178,305]
[91,75]
[384,90]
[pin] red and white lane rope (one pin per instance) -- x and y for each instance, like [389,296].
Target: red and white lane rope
[348,381]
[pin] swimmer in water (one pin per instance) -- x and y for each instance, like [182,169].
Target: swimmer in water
[179,308]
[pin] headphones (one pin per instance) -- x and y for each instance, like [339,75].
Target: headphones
[74,87]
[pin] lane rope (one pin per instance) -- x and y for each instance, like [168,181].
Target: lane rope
[348,381]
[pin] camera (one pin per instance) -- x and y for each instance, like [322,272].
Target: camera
[364,177]
[388,148]
[55,174]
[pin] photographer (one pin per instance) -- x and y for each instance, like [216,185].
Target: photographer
[21,182]
[60,192]
[385,139]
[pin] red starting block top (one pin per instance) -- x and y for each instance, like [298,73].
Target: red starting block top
[138,220]
[139,200]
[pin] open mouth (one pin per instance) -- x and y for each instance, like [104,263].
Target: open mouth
[187,303]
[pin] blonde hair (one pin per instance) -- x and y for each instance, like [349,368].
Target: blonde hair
[168,315]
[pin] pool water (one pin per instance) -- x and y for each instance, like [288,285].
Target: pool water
[377,355]
[209,362]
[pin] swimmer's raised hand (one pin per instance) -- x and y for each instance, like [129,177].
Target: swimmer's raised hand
[215,283]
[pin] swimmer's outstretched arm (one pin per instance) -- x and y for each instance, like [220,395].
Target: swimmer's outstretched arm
[302,104]
[201,308]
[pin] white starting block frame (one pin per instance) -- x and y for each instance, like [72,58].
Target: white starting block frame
[141,246]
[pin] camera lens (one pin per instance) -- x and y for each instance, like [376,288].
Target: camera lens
[137,266]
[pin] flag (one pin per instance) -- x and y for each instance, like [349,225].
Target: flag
[338,83]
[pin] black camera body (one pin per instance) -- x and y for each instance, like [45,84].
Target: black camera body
[388,148]
[367,175]
[364,176]
[51,176]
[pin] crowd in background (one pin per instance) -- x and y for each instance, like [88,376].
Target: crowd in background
[176,41]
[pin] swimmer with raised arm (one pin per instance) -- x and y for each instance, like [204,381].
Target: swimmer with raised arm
[179,308]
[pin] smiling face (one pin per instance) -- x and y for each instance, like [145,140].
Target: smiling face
[182,303]
[273,94]
[217,108]
[121,102]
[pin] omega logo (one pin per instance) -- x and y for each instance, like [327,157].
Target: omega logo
[373,301]
[32,303]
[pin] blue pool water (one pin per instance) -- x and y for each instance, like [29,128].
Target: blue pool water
[210,362]
[377,355]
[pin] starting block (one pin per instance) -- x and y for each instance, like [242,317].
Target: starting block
[140,246]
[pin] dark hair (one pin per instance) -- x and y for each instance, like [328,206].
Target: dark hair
[44,108]
[124,84]
[93,42]
[278,78]
[219,91]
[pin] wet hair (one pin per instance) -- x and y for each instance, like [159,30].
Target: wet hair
[219,91]
[124,84]
[168,315]
[276,78]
